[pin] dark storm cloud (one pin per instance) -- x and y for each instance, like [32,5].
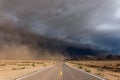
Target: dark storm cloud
[93,22]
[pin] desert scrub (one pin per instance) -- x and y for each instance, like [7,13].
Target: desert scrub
[106,67]
[100,74]
[87,70]
[33,65]
[2,65]
[23,65]
[18,68]
[40,62]
[80,67]
[53,63]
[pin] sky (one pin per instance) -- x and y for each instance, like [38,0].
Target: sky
[93,22]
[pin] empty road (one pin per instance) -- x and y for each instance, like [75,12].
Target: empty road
[60,71]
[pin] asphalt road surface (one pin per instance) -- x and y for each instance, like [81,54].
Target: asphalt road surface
[60,71]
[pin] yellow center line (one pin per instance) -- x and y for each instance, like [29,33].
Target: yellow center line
[61,73]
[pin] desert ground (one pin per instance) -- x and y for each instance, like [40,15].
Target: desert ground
[12,69]
[109,70]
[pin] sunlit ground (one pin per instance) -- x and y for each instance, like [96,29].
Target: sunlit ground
[109,70]
[12,69]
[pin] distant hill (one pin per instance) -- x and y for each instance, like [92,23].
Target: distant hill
[92,57]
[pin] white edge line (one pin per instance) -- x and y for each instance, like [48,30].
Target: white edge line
[35,72]
[86,72]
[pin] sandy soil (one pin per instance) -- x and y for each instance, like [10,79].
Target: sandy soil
[12,69]
[109,70]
